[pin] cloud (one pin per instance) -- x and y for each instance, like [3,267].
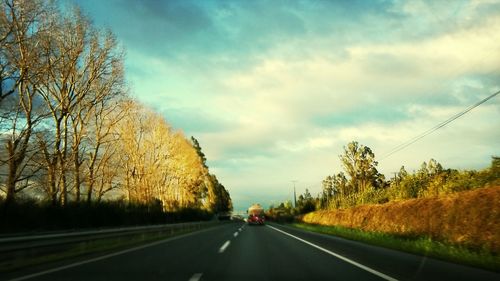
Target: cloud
[274,91]
[380,94]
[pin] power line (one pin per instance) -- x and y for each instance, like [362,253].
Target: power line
[437,127]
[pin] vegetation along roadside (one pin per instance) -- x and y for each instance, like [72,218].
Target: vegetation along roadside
[461,227]
[435,211]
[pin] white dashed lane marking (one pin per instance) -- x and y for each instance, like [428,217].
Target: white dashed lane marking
[196,277]
[224,246]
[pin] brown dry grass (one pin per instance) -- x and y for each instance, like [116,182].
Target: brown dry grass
[470,218]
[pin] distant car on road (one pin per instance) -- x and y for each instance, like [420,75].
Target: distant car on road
[256,215]
[237,218]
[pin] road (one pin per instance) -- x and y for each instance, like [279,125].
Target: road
[236,251]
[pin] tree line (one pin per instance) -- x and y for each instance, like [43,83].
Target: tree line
[69,131]
[360,183]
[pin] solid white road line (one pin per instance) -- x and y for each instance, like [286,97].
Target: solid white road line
[196,277]
[373,271]
[224,246]
[105,256]
[235,234]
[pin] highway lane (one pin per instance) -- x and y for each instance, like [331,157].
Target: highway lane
[397,264]
[236,251]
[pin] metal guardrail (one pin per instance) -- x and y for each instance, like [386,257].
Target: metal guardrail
[13,243]
[14,249]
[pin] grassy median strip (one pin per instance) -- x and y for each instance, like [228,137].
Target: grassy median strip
[418,245]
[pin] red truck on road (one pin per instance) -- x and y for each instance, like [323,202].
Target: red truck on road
[256,215]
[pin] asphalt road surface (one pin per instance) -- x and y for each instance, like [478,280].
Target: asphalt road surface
[236,251]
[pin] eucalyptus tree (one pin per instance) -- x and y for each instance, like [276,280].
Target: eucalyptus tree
[359,164]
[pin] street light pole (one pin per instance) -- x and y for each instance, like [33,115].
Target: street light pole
[294,195]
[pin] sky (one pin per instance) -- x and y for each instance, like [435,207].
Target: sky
[273,90]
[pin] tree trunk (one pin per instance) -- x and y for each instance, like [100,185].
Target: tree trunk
[11,176]
[52,186]
[77,179]
[64,189]
[16,152]
[91,185]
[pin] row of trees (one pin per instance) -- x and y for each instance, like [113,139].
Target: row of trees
[286,211]
[361,183]
[431,179]
[68,130]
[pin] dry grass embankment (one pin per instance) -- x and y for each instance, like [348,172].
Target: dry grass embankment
[469,218]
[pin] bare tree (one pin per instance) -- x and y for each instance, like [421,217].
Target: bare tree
[84,73]
[101,87]
[22,30]
[66,120]
[102,145]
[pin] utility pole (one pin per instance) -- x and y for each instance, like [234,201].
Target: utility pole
[294,195]
[396,180]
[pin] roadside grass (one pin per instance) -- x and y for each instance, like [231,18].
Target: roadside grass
[482,258]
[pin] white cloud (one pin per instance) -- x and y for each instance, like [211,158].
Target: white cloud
[274,102]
